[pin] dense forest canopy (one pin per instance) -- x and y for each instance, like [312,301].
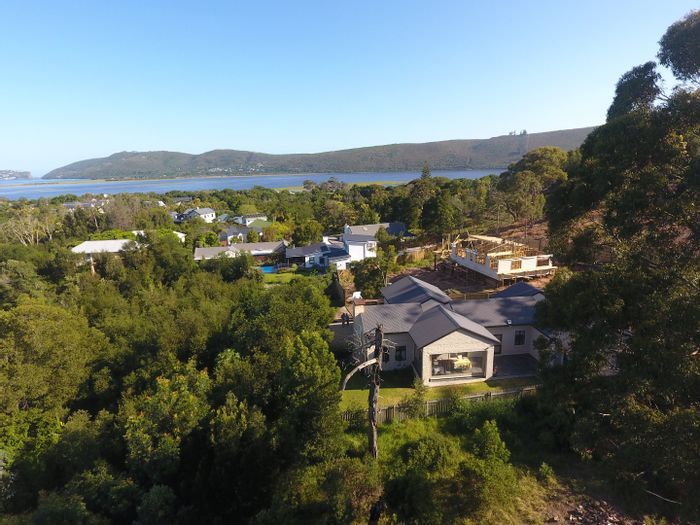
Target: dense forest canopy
[159,390]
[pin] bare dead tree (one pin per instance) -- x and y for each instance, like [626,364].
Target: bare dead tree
[371,341]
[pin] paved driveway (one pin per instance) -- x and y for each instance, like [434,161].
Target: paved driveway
[523,365]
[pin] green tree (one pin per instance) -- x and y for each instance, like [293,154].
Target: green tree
[252,236]
[155,423]
[636,90]
[425,172]
[440,216]
[372,274]
[307,233]
[46,350]
[632,206]
[680,47]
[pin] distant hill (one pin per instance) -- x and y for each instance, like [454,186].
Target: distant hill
[496,152]
[11,174]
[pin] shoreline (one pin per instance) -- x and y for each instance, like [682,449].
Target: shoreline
[275,174]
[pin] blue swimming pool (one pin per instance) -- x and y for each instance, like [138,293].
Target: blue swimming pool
[268,269]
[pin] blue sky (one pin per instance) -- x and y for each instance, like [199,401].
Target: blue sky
[87,79]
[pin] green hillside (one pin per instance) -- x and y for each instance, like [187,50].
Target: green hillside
[496,152]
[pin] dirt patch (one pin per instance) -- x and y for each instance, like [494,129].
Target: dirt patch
[535,235]
[458,283]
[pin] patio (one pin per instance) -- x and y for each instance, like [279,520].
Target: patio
[523,365]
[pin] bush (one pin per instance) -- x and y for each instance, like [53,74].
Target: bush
[546,475]
[413,405]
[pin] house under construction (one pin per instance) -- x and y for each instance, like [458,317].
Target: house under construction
[500,259]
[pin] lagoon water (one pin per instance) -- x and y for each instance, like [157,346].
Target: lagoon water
[38,188]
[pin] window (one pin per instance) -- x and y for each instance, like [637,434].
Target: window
[493,264]
[498,347]
[519,337]
[385,354]
[516,265]
[469,364]
[400,353]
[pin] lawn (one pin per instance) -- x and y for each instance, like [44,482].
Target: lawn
[279,278]
[398,384]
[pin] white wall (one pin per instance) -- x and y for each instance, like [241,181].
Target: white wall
[402,339]
[527,264]
[360,250]
[504,266]
[483,269]
[508,346]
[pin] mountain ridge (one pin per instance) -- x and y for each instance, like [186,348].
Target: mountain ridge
[495,152]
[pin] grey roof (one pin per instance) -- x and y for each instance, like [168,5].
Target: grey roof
[209,253]
[438,322]
[303,251]
[254,248]
[392,228]
[259,247]
[234,230]
[395,318]
[411,290]
[497,311]
[519,289]
[352,237]
[337,253]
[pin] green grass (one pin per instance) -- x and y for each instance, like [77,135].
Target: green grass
[399,383]
[279,278]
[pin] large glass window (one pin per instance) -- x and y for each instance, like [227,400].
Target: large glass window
[470,364]
[519,337]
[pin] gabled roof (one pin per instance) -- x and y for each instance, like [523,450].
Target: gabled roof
[305,251]
[254,248]
[109,246]
[394,318]
[353,237]
[438,322]
[411,290]
[499,311]
[259,248]
[392,228]
[236,229]
[519,289]
[198,211]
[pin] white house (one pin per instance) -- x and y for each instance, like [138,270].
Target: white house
[319,255]
[500,259]
[179,235]
[206,214]
[93,247]
[361,241]
[90,248]
[238,233]
[256,249]
[451,342]
[246,220]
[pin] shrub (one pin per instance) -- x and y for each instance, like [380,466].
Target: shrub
[413,405]
[546,475]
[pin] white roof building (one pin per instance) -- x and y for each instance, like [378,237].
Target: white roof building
[92,247]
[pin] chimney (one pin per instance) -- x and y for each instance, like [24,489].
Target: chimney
[358,304]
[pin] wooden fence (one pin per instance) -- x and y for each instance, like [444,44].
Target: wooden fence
[435,407]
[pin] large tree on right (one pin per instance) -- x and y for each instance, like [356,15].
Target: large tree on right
[628,217]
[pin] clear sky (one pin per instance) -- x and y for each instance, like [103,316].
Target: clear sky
[87,79]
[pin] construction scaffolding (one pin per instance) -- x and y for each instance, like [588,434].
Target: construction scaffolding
[500,259]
